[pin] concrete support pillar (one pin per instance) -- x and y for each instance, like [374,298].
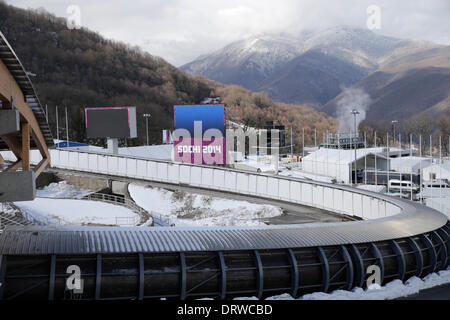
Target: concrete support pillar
[25,146]
[9,122]
[17,186]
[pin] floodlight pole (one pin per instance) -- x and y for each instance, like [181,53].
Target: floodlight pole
[57,128]
[393,129]
[146,116]
[355,113]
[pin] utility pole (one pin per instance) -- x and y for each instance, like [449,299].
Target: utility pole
[146,116]
[303,143]
[315,137]
[67,129]
[376,177]
[57,126]
[393,129]
[388,159]
[420,169]
[410,155]
[365,158]
[355,113]
[292,148]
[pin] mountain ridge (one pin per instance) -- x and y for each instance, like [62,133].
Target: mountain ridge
[317,66]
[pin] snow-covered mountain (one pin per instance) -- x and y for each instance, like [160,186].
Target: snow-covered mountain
[246,62]
[309,68]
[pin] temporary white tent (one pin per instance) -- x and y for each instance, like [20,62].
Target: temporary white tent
[437,171]
[409,164]
[338,163]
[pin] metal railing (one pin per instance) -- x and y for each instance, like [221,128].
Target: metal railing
[4,221]
[37,219]
[143,217]
[9,219]
[127,221]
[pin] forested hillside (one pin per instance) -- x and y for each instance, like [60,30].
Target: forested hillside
[80,68]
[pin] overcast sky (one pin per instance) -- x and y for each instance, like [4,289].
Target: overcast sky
[181,30]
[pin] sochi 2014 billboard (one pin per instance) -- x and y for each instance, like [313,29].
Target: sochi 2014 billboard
[199,135]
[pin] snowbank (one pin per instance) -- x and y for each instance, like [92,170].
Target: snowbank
[62,190]
[392,290]
[5,208]
[303,175]
[373,188]
[186,209]
[76,212]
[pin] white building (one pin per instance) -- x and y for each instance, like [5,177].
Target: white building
[339,164]
[436,171]
[409,164]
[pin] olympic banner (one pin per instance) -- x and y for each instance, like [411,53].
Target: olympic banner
[199,135]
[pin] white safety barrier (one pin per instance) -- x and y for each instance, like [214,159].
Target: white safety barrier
[342,200]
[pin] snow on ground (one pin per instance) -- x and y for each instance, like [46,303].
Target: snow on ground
[303,175]
[160,152]
[264,166]
[392,290]
[5,208]
[187,209]
[373,188]
[75,212]
[62,190]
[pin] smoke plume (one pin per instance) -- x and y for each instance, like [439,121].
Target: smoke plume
[352,98]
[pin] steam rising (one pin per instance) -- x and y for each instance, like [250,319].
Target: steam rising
[352,98]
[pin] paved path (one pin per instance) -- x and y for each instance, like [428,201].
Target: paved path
[436,293]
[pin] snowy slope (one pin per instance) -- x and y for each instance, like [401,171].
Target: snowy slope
[62,190]
[183,209]
[74,212]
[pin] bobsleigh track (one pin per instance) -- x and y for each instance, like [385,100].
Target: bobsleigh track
[403,238]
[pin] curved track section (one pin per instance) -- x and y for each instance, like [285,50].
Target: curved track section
[122,269]
[403,238]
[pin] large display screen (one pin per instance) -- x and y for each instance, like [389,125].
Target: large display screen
[114,122]
[199,135]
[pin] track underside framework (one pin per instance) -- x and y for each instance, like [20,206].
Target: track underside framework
[224,274]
